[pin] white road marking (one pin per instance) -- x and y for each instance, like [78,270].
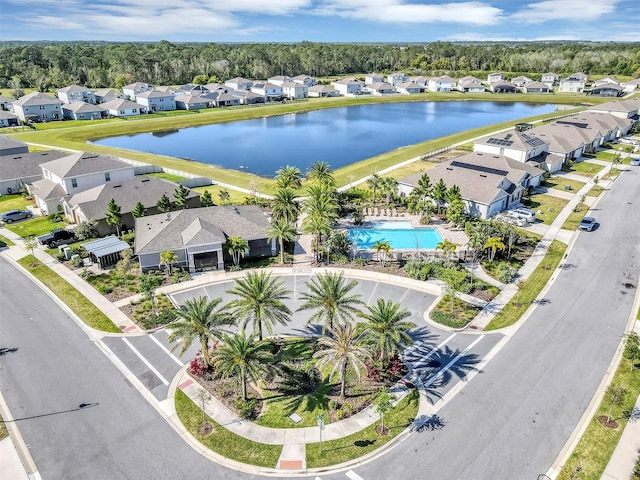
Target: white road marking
[374,291]
[450,364]
[405,294]
[353,475]
[166,350]
[426,357]
[145,361]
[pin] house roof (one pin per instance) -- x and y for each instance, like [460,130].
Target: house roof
[127,193]
[381,86]
[7,143]
[280,78]
[15,167]
[106,92]
[409,84]
[238,80]
[443,78]
[267,85]
[521,78]
[536,85]
[121,104]
[83,107]
[4,99]
[46,189]
[167,90]
[293,85]
[512,139]
[635,81]
[177,230]
[608,85]
[626,106]
[36,98]
[550,74]
[322,89]
[105,246]
[73,89]
[348,81]
[5,114]
[419,78]
[561,138]
[226,97]
[191,99]
[84,163]
[303,77]
[134,85]
[472,84]
[215,86]
[154,94]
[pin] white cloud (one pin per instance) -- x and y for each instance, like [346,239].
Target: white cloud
[575,10]
[399,11]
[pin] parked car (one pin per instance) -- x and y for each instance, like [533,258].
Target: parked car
[634,161]
[11,216]
[512,218]
[629,141]
[587,224]
[54,237]
[530,215]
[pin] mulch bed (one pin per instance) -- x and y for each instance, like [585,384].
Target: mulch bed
[608,424]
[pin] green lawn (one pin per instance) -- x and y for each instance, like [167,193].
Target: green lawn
[166,176]
[595,191]
[548,206]
[14,202]
[560,183]
[35,226]
[5,242]
[585,168]
[597,444]
[414,167]
[613,173]
[462,314]
[3,430]
[81,306]
[235,197]
[366,440]
[575,217]
[530,289]
[221,440]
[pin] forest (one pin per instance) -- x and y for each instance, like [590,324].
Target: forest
[50,65]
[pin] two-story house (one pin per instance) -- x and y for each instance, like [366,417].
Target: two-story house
[348,86]
[294,90]
[372,78]
[105,95]
[76,93]
[268,89]
[443,83]
[550,79]
[470,84]
[132,90]
[495,77]
[38,107]
[397,78]
[73,174]
[573,84]
[513,144]
[239,83]
[280,79]
[306,80]
[155,101]
[520,81]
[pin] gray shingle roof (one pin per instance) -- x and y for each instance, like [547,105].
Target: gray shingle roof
[174,231]
[46,189]
[121,104]
[73,89]
[84,163]
[83,107]
[36,98]
[153,94]
[15,167]
[7,143]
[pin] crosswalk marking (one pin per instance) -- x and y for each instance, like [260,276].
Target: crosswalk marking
[145,361]
[353,475]
[432,352]
[448,365]
[167,351]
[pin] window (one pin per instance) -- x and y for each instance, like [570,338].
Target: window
[107,177]
[74,182]
[121,112]
[135,110]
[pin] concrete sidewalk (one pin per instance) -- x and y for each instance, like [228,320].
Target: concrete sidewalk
[11,466]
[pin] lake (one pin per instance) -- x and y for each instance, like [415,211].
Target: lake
[339,136]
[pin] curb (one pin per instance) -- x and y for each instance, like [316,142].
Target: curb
[31,471]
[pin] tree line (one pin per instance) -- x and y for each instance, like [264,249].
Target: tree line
[50,65]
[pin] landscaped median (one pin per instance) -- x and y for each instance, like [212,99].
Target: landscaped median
[78,303]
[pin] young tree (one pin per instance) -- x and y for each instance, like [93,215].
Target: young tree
[615,397]
[223,195]
[113,216]
[456,212]
[439,194]
[241,356]
[123,267]
[147,284]
[382,248]
[237,247]
[447,247]
[181,195]
[260,302]
[168,258]
[15,84]
[205,199]
[31,243]
[200,80]
[632,348]
[342,349]
[383,405]
[199,319]
[204,397]
[164,205]
[138,211]
[493,244]
[454,280]
[282,231]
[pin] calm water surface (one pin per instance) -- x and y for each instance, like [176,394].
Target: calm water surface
[339,136]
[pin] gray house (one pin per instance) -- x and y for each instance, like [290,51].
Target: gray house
[11,146]
[76,93]
[155,101]
[197,236]
[6,102]
[83,111]
[37,107]
[24,168]
[191,102]
[8,119]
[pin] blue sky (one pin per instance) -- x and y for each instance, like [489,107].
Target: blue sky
[319,20]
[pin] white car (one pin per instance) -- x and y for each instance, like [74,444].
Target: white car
[512,218]
[629,141]
[530,215]
[634,161]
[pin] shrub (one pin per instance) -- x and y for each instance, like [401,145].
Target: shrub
[506,272]
[55,217]
[86,230]
[246,409]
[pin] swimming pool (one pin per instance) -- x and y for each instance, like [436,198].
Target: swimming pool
[400,235]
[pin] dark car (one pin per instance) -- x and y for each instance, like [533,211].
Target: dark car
[11,216]
[56,236]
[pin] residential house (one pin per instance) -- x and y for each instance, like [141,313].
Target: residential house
[495,77]
[488,183]
[627,108]
[92,204]
[397,78]
[372,78]
[502,87]
[155,101]
[606,81]
[420,80]
[323,91]
[8,119]
[408,88]
[520,146]
[76,93]
[581,76]
[191,102]
[269,90]
[213,87]
[6,103]
[248,97]
[23,169]
[191,89]
[629,87]
[348,86]
[83,111]
[566,142]
[280,79]
[123,108]
[550,79]
[443,83]
[592,136]
[238,83]
[294,90]
[536,87]
[611,127]
[11,146]
[170,90]
[197,236]
[607,90]
[306,80]
[37,107]
[470,84]
[520,81]
[132,90]
[75,173]
[222,99]
[105,95]
[380,89]
[573,84]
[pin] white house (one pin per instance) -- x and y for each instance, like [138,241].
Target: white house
[107,94]
[156,101]
[536,87]
[397,78]
[280,79]
[295,91]
[238,83]
[133,89]
[520,81]
[76,93]
[573,84]
[348,86]
[323,91]
[306,80]
[267,89]
[372,78]
[628,108]
[123,108]
[408,88]
[443,83]
[550,79]
[470,84]
[631,86]
[380,89]
[495,77]
[420,80]
[513,144]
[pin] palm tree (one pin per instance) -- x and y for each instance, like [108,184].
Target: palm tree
[317,226]
[342,350]
[439,194]
[382,248]
[389,186]
[493,244]
[237,247]
[374,184]
[447,247]
[332,299]
[260,301]
[200,319]
[319,172]
[321,208]
[289,177]
[240,355]
[285,205]
[283,231]
[384,328]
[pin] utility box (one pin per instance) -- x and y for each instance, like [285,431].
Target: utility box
[67,253]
